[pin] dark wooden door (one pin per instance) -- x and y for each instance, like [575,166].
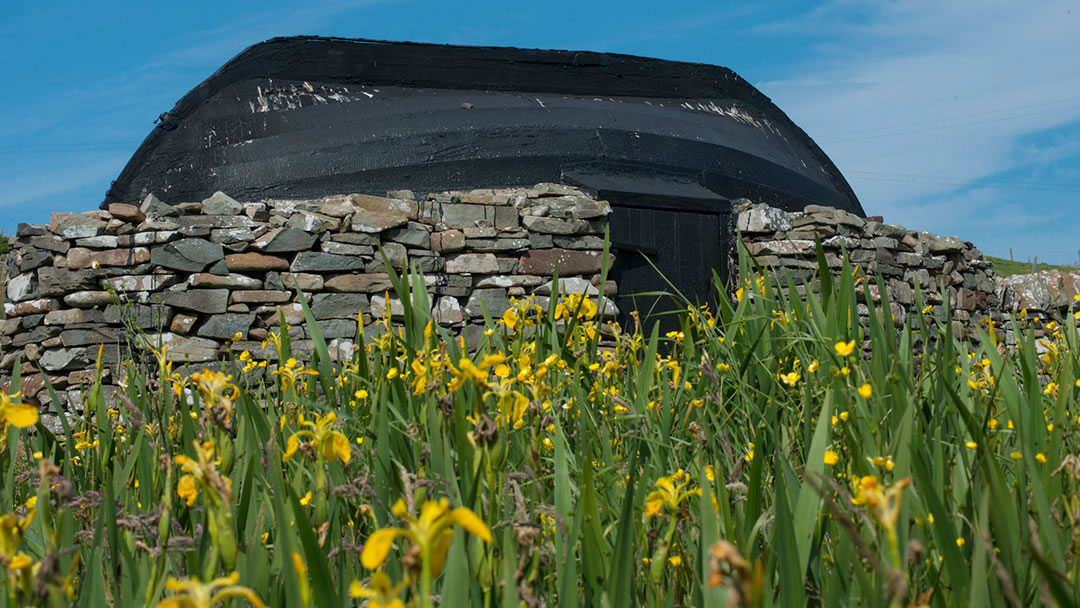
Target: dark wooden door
[665,250]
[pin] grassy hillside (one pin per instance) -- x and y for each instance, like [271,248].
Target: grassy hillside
[1005,268]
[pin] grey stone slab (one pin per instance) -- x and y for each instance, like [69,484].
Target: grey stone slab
[226,326]
[338,305]
[313,261]
[188,255]
[206,301]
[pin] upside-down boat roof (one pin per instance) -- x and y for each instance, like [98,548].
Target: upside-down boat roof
[307,116]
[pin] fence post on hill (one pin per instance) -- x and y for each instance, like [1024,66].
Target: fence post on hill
[1034,263]
[1010,254]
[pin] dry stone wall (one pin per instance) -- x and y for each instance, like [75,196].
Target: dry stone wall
[204,278]
[785,241]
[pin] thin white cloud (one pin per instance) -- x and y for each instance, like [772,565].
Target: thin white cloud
[917,100]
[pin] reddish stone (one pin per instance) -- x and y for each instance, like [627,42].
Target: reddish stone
[80,257]
[376,282]
[569,261]
[259,296]
[449,240]
[128,213]
[254,262]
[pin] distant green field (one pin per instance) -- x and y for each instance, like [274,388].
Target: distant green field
[1005,268]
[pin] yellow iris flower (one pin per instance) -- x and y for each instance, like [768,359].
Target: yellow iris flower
[291,372]
[193,593]
[431,533]
[467,371]
[216,390]
[202,474]
[575,304]
[882,503]
[381,594]
[19,415]
[329,444]
[668,493]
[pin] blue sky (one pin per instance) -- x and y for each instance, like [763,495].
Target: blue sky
[957,117]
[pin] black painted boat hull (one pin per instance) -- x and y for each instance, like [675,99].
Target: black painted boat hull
[308,117]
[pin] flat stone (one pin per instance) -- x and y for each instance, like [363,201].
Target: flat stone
[337,208]
[346,249]
[26,230]
[22,287]
[259,296]
[55,360]
[310,221]
[294,314]
[447,311]
[36,338]
[569,261]
[152,205]
[509,280]
[127,213]
[573,206]
[762,218]
[832,216]
[30,307]
[507,265]
[282,240]
[447,241]
[476,263]
[569,285]
[405,195]
[80,257]
[312,261]
[306,281]
[551,225]
[230,281]
[784,247]
[375,214]
[206,301]
[497,244]
[183,349]
[461,216]
[409,236]
[49,242]
[75,225]
[495,300]
[89,299]
[587,241]
[9,327]
[379,305]
[220,203]
[182,323]
[73,316]
[85,337]
[232,236]
[396,254]
[254,262]
[188,255]
[355,238]
[941,244]
[145,282]
[104,241]
[137,315]
[359,283]
[226,326]
[338,305]
[28,259]
[479,232]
